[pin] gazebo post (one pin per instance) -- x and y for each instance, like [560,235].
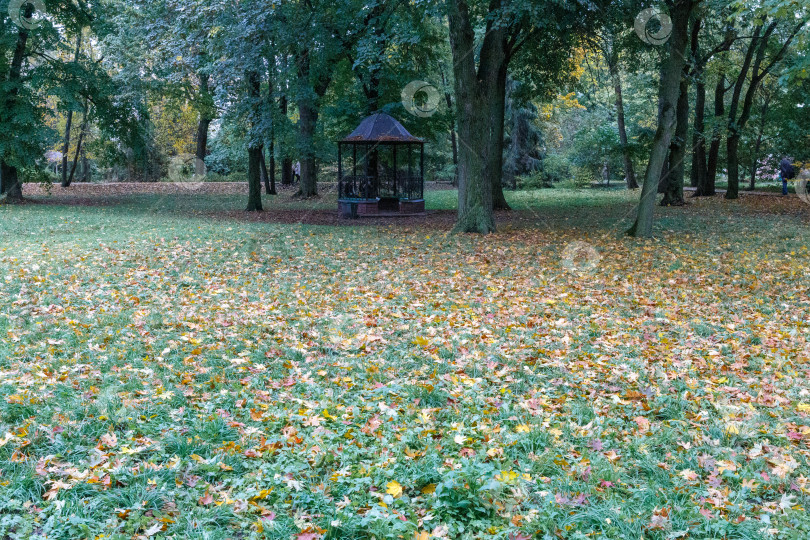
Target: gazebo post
[410,169]
[396,174]
[422,172]
[340,170]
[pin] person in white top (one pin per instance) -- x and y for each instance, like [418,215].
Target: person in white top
[297,171]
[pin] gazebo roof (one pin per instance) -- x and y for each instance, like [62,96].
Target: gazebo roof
[381,127]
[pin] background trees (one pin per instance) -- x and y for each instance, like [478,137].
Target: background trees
[531,93]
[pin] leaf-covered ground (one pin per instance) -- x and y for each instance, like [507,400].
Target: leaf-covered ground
[170,374]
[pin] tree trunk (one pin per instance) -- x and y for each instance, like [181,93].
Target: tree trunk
[307,124]
[763,121]
[629,171]
[80,142]
[734,127]
[286,161]
[308,120]
[673,195]
[271,189]
[669,92]
[69,120]
[270,180]
[254,153]
[202,128]
[264,177]
[478,92]
[714,148]
[10,184]
[699,171]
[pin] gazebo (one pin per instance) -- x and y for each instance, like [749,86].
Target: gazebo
[384,170]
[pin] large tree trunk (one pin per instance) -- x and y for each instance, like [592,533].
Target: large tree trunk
[202,127]
[254,153]
[673,194]
[80,142]
[669,91]
[699,170]
[480,95]
[307,124]
[10,184]
[69,121]
[714,148]
[271,188]
[629,171]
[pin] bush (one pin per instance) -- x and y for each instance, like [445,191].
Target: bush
[583,177]
[556,168]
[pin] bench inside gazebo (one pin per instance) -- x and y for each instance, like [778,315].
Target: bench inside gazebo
[381,170]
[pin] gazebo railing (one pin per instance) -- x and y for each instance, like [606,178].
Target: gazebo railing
[400,186]
[357,187]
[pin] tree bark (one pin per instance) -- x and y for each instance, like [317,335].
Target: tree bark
[699,171]
[714,148]
[308,95]
[669,92]
[202,128]
[264,177]
[629,171]
[80,142]
[270,179]
[69,120]
[763,121]
[286,161]
[271,189]
[673,194]
[735,126]
[254,153]
[10,184]
[479,113]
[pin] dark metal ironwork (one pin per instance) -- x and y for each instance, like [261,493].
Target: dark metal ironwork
[381,171]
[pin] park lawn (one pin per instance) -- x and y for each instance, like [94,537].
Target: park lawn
[167,374]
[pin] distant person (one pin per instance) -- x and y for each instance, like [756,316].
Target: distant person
[786,172]
[297,171]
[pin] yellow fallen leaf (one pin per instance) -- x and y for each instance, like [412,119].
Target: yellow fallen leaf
[394,489]
[523,428]
[803,407]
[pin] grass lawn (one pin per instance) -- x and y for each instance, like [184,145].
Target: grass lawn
[173,368]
